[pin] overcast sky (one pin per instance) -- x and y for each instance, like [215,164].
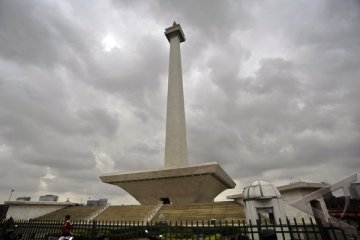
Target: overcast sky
[272,91]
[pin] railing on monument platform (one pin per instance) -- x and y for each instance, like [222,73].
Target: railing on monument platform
[98,212]
[153,212]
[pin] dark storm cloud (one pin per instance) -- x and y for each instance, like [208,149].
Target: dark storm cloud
[38,33]
[271,91]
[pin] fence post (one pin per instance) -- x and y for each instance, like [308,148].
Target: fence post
[192,230]
[282,228]
[323,231]
[319,216]
[289,227]
[93,230]
[251,229]
[332,230]
[258,225]
[305,227]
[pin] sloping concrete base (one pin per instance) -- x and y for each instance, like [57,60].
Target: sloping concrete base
[189,184]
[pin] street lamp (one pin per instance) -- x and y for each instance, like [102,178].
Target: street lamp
[11,192]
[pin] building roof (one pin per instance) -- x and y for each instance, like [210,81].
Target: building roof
[261,190]
[39,203]
[301,185]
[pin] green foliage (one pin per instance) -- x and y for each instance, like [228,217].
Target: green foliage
[48,236]
[82,234]
[204,237]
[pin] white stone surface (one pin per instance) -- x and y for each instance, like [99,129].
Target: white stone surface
[190,184]
[175,141]
[294,195]
[260,195]
[289,193]
[30,210]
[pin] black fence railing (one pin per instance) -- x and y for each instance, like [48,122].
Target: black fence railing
[210,230]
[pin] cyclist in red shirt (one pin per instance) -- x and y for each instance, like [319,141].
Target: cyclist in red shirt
[66,227]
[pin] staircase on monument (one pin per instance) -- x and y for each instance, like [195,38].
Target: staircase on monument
[153,212]
[97,213]
[125,213]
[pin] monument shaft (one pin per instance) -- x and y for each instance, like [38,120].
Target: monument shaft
[178,182]
[175,141]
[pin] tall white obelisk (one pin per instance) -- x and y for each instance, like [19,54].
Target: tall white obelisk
[175,141]
[178,182]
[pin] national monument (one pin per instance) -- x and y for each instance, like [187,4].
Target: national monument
[178,182]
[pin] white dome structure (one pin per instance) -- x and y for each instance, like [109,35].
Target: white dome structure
[263,202]
[261,190]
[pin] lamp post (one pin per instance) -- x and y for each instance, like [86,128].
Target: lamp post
[11,192]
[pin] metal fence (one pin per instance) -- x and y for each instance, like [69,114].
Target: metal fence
[211,230]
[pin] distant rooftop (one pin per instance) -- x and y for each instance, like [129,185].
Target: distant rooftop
[301,185]
[43,203]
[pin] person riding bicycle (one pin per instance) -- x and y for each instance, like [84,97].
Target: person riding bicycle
[66,227]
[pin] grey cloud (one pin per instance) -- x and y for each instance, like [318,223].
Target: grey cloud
[225,64]
[275,75]
[49,39]
[212,18]
[338,26]
[100,120]
[13,174]
[64,100]
[259,131]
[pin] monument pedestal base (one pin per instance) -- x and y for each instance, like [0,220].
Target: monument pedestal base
[189,184]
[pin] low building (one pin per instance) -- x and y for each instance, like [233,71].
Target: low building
[99,202]
[295,191]
[263,201]
[290,193]
[24,210]
[27,199]
[49,198]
